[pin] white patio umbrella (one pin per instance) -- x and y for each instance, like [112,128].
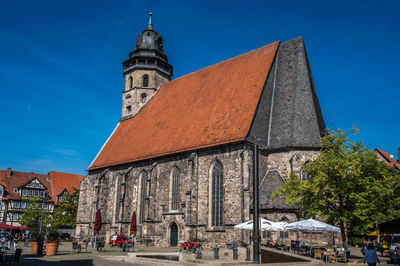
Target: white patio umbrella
[265,225]
[311,225]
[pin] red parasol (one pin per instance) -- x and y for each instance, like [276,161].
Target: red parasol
[7,226]
[133,223]
[24,227]
[97,222]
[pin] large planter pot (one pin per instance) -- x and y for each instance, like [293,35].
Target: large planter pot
[34,246]
[51,249]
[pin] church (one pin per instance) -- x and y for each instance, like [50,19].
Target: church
[181,155]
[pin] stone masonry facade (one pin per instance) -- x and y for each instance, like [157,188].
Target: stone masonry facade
[118,192]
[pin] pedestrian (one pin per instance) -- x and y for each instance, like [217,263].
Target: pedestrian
[370,255]
[16,239]
[9,240]
[3,242]
[396,254]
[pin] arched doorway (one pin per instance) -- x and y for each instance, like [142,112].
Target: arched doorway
[174,235]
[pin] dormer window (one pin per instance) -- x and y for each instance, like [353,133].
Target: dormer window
[145,81]
[143,97]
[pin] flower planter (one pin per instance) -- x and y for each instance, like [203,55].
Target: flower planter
[34,246]
[51,249]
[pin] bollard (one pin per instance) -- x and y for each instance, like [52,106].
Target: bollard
[216,252]
[247,253]
[197,251]
[235,252]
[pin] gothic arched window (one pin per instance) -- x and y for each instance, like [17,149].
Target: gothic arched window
[217,203]
[145,81]
[143,97]
[143,181]
[175,189]
[130,82]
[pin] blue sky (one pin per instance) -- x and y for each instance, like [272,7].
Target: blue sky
[61,75]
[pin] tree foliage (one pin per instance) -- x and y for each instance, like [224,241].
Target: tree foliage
[33,216]
[348,186]
[65,213]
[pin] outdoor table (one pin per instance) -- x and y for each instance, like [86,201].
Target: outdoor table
[327,254]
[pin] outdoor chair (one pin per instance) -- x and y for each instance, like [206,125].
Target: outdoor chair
[317,254]
[76,247]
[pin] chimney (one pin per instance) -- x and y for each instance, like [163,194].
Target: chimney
[9,172]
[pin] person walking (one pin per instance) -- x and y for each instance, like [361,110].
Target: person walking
[3,242]
[396,257]
[370,255]
[16,239]
[9,240]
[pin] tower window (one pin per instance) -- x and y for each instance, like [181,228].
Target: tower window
[145,81]
[130,82]
[143,97]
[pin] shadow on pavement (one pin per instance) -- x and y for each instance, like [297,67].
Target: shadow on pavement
[43,261]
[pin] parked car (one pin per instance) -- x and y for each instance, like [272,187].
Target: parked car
[116,240]
[393,244]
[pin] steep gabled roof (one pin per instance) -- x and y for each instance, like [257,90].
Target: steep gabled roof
[209,107]
[19,179]
[390,162]
[61,181]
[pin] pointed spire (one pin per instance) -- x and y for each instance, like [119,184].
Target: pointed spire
[150,14]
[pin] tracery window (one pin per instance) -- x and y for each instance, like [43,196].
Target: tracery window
[217,203]
[145,81]
[143,180]
[175,189]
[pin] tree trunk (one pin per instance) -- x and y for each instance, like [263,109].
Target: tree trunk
[343,232]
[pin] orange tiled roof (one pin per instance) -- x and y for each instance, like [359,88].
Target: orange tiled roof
[209,107]
[61,181]
[390,162]
[55,182]
[18,179]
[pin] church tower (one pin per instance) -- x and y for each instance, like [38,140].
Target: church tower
[145,71]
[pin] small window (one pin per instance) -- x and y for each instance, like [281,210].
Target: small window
[130,82]
[15,190]
[304,174]
[145,81]
[24,192]
[17,204]
[23,205]
[36,193]
[129,108]
[143,97]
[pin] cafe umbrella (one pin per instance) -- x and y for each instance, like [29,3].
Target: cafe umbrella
[311,225]
[97,227]
[133,226]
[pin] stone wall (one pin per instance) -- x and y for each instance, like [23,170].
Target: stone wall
[118,191]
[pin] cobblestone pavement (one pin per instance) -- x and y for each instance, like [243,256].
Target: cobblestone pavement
[112,256]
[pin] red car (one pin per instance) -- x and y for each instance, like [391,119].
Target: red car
[116,240]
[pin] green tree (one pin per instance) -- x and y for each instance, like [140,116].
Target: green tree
[348,186]
[65,214]
[33,215]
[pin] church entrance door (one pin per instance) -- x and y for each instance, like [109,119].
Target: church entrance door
[174,235]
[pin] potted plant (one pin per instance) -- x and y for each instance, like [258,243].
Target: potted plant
[53,237]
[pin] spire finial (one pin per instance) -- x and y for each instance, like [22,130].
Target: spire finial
[150,14]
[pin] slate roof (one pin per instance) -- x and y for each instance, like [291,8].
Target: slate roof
[54,182]
[390,162]
[209,107]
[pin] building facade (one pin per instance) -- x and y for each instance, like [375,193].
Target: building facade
[17,187]
[182,160]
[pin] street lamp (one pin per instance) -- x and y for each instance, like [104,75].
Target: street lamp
[40,240]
